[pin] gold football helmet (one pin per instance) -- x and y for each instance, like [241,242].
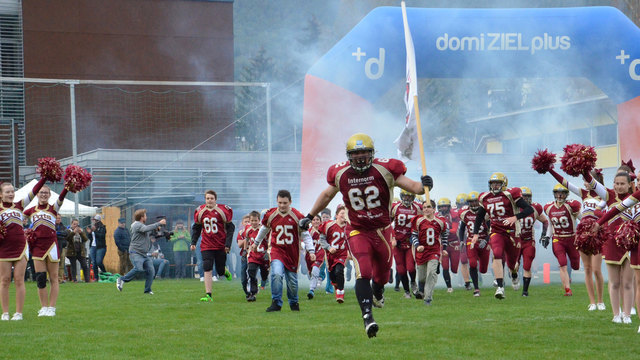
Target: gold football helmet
[473,199]
[407,197]
[560,193]
[356,145]
[501,178]
[461,200]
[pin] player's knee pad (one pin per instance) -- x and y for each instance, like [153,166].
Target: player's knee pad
[41,280]
[207,264]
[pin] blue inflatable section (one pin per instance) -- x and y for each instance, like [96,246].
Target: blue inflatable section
[598,43]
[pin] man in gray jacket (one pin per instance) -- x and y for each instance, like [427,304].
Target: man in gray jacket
[138,249]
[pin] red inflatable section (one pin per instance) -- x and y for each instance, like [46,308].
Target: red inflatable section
[629,129]
[331,115]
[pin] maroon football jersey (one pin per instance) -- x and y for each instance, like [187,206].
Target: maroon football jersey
[336,237]
[526,223]
[428,236]
[214,234]
[284,244]
[468,218]
[242,235]
[500,207]
[402,217]
[453,222]
[257,256]
[563,217]
[367,195]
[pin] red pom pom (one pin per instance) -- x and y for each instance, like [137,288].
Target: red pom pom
[49,168]
[587,240]
[578,159]
[543,161]
[30,235]
[76,178]
[627,235]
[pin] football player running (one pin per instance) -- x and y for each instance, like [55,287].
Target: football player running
[334,243]
[527,242]
[563,215]
[366,184]
[451,258]
[461,205]
[480,253]
[402,212]
[502,205]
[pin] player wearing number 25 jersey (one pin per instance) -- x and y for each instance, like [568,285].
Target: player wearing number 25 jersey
[284,249]
[366,185]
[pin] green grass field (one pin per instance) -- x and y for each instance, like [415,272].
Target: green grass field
[95,321]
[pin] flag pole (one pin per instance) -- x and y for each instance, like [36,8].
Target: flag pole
[409,44]
[421,144]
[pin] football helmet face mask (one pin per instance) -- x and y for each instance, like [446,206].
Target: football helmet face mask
[407,198]
[527,194]
[360,151]
[444,206]
[474,201]
[560,193]
[498,182]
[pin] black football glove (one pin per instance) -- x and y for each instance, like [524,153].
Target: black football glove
[438,269]
[305,222]
[544,240]
[482,243]
[427,181]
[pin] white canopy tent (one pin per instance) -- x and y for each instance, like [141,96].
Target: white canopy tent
[68,206]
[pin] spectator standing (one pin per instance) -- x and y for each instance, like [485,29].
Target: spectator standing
[181,241]
[100,236]
[122,238]
[76,251]
[140,245]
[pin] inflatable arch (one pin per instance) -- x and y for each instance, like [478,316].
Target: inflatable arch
[597,43]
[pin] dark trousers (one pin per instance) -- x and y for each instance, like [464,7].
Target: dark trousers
[83,264]
[252,269]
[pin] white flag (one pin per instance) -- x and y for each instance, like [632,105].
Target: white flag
[407,141]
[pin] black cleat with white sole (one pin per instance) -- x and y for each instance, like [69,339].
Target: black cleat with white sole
[370,325]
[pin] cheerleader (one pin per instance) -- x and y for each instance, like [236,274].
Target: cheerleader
[45,249]
[14,250]
[592,205]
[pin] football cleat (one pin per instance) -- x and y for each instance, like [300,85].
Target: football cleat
[418,295]
[206,298]
[592,307]
[407,295]
[499,293]
[370,325]
[515,283]
[227,275]
[468,287]
[340,296]
[251,298]
[476,293]
[601,306]
[449,290]
[378,303]
[310,295]
[525,294]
